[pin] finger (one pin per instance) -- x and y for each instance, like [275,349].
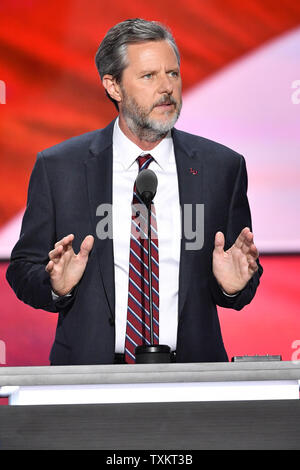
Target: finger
[241,238]
[49,267]
[219,242]
[247,244]
[55,254]
[253,266]
[254,252]
[65,240]
[249,237]
[86,245]
[249,249]
[61,247]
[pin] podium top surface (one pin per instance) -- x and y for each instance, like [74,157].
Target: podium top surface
[149,373]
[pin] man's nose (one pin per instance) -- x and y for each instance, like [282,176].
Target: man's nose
[165,85]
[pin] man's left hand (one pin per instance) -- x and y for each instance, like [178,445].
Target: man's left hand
[236,266]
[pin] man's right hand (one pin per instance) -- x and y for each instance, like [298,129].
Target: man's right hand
[65,267]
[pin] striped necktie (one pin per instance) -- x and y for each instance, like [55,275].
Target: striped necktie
[138,310]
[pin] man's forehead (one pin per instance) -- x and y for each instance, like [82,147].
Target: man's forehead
[150,52]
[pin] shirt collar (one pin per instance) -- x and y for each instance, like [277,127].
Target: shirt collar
[126,152]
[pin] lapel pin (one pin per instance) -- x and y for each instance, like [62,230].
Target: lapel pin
[193,171]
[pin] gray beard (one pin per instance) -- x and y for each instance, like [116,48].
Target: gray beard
[145,128]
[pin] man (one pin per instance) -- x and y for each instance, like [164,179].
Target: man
[73,182]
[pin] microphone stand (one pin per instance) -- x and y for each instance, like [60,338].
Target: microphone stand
[159,353]
[150,274]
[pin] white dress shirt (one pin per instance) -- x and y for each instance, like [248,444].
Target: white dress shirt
[166,201]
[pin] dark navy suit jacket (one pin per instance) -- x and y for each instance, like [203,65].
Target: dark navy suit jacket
[69,181]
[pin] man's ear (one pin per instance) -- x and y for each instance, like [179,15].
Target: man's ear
[112,87]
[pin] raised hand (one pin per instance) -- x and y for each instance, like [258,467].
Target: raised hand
[65,267]
[236,266]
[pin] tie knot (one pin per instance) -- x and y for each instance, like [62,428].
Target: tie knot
[144,161]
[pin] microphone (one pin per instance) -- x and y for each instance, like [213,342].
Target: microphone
[146,187]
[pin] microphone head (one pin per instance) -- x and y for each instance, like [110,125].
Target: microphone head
[146,185]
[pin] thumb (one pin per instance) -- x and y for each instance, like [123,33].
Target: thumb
[219,242]
[86,245]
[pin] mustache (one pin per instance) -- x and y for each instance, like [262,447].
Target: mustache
[165,100]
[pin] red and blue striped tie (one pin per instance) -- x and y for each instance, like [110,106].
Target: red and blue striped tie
[138,310]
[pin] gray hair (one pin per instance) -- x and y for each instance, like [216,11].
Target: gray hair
[111,57]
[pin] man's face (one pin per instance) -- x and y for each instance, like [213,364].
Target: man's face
[151,88]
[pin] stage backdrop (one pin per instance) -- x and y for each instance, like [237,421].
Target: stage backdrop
[241,87]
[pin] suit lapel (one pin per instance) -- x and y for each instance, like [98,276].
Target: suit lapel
[99,185]
[190,183]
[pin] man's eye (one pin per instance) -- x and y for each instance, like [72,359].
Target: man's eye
[147,76]
[174,73]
